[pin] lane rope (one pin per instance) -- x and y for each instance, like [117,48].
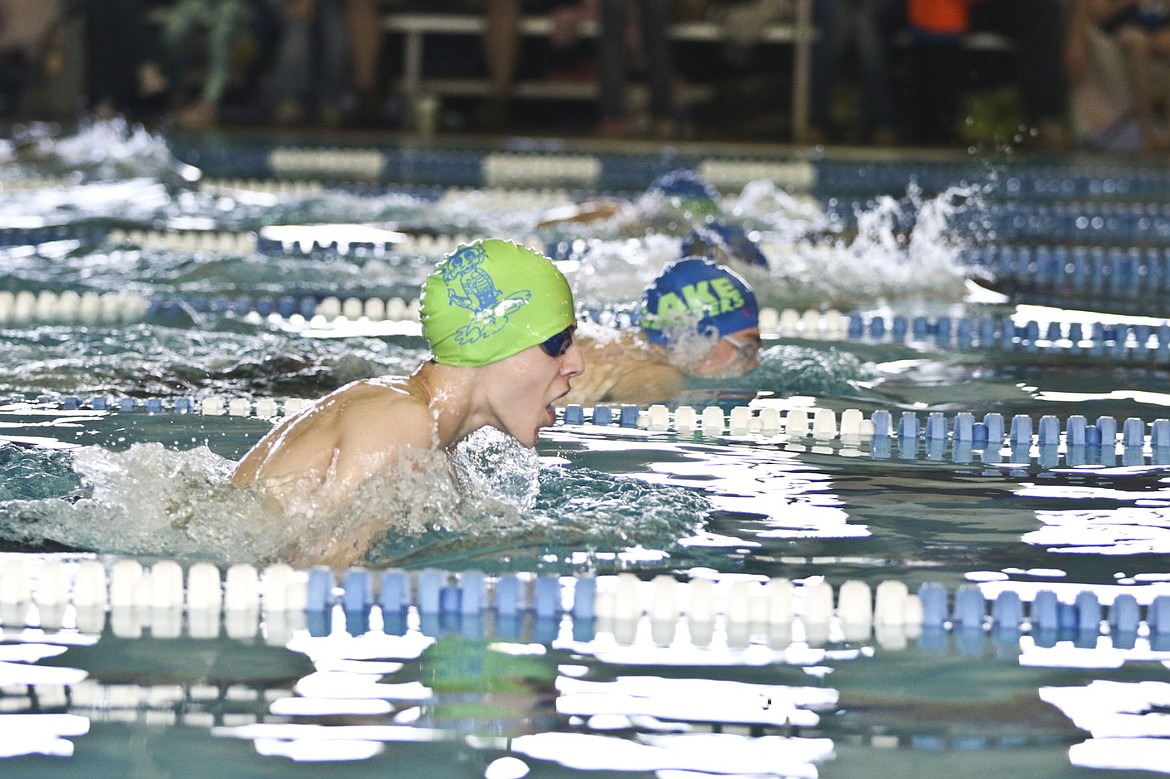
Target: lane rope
[760,603]
[1018,442]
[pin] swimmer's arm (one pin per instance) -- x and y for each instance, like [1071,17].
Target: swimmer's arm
[591,211]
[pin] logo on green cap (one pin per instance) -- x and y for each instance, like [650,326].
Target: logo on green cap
[472,288]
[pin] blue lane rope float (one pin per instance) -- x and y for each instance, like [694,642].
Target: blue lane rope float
[1085,222]
[1019,181]
[630,172]
[1116,271]
[1147,223]
[1116,223]
[822,424]
[1139,342]
[289,307]
[338,239]
[1087,267]
[1047,442]
[86,235]
[208,593]
[352,240]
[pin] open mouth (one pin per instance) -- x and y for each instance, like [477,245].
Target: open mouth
[550,408]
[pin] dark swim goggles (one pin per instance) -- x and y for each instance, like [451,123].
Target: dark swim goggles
[556,345]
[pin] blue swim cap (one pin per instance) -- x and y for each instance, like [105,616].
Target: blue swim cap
[723,243]
[695,291]
[686,189]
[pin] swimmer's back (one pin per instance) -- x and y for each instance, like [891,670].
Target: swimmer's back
[341,436]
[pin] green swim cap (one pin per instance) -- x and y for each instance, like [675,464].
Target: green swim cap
[491,299]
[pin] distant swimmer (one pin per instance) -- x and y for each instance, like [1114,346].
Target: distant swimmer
[699,320]
[724,243]
[680,198]
[500,322]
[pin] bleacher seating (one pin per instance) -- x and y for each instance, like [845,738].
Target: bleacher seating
[795,37]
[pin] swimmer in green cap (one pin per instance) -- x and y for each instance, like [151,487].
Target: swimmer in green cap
[499,319]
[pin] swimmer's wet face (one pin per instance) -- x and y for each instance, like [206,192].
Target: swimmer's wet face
[508,312]
[747,350]
[732,355]
[524,387]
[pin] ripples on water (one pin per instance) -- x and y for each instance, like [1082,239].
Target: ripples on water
[158,361]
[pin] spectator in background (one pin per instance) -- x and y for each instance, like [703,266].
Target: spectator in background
[309,72]
[224,19]
[618,41]
[113,40]
[1116,63]
[937,28]
[860,26]
[26,29]
[1038,29]
[501,45]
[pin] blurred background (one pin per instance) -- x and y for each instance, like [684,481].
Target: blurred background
[927,73]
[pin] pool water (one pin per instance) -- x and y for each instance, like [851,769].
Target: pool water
[105,455]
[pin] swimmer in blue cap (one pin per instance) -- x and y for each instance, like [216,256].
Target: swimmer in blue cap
[699,319]
[725,243]
[696,297]
[686,191]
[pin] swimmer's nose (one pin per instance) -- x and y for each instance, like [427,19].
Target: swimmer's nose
[573,361]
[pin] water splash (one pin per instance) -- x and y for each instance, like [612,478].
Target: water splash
[798,370]
[27,474]
[764,204]
[529,515]
[900,249]
[897,249]
[384,209]
[493,463]
[108,149]
[614,273]
[493,499]
[602,510]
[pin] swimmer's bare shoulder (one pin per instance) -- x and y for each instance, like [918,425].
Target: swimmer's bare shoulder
[346,436]
[623,368]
